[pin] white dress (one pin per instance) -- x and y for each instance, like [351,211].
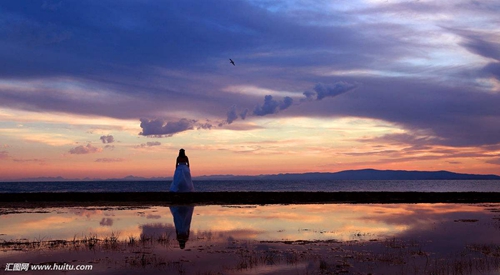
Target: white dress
[182,179]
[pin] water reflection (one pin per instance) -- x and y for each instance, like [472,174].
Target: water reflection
[342,222]
[182,220]
[301,239]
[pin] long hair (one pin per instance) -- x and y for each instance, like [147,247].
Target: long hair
[182,153]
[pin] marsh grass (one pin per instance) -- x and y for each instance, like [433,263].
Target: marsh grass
[89,242]
[389,256]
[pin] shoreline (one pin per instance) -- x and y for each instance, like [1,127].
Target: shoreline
[224,198]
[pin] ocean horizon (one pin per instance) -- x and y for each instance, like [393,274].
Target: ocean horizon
[258,185]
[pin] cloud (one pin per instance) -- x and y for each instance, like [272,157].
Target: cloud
[480,45]
[231,115]
[309,95]
[59,59]
[4,155]
[243,114]
[206,125]
[336,89]
[495,161]
[39,161]
[271,106]
[109,160]
[82,150]
[153,143]
[159,127]
[149,144]
[493,69]
[107,139]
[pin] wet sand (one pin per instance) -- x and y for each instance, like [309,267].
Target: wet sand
[225,198]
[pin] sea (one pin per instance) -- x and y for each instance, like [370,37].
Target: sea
[259,185]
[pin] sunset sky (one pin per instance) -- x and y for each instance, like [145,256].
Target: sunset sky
[107,89]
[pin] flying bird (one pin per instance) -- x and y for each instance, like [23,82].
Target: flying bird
[231,61]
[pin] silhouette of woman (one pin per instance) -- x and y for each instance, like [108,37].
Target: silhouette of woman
[182,177]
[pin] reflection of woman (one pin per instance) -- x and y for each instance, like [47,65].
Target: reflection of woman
[182,220]
[182,177]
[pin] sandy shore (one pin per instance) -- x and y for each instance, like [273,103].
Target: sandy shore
[224,198]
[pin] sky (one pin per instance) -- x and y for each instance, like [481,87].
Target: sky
[107,89]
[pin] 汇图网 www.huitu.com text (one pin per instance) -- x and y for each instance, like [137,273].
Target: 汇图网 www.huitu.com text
[46,267]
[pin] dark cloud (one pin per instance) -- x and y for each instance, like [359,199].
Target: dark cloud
[309,95]
[338,88]
[287,102]
[159,127]
[271,106]
[244,114]
[123,50]
[445,114]
[479,44]
[206,125]
[88,149]
[493,69]
[231,115]
[137,58]
[107,139]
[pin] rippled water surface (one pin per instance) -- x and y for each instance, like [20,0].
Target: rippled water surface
[259,185]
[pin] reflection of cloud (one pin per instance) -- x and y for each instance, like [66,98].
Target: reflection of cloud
[157,229]
[85,212]
[106,222]
[47,223]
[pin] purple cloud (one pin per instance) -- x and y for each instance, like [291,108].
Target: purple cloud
[495,161]
[244,114]
[82,150]
[149,144]
[323,91]
[158,127]
[231,115]
[271,106]
[107,139]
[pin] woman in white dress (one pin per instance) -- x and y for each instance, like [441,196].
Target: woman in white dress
[182,177]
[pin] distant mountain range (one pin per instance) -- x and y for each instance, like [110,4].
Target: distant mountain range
[364,174]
